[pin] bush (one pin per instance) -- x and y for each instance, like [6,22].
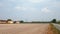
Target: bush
[9,19]
[21,21]
[54,20]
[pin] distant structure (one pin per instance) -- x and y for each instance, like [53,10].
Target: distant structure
[3,21]
[6,21]
[9,21]
[16,22]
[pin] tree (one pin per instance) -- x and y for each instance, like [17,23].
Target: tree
[14,22]
[54,20]
[9,19]
[21,21]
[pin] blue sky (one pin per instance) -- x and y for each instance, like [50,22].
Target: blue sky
[30,10]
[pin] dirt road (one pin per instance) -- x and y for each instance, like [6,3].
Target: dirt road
[23,28]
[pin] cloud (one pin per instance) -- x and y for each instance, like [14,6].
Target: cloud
[25,8]
[58,4]
[1,4]
[20,8]
[12,0]
[46,10]
[54,4]
[35,1]
[38,1]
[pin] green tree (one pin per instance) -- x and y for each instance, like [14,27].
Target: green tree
[54,20]
[21,21]
[14,22]
[9,19]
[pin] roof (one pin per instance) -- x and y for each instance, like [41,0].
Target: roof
[3,20]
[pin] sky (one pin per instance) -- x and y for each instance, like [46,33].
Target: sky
[30,10]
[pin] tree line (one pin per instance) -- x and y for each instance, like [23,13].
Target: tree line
[52,21]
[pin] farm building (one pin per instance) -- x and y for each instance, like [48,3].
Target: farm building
[3,21]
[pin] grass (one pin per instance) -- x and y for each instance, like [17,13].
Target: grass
[54,29]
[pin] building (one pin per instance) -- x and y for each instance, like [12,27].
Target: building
[3,21]
[6,22]
[16,22]
[9,21]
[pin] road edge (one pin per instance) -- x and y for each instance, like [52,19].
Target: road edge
[57,30]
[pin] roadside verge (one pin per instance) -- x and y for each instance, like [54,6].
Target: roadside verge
[52,29]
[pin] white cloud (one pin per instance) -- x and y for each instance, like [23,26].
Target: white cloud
[20,8]
[57,4]
[35,1]
[46,10]
[0,4]
[12,0]
[38,1]
[25,8]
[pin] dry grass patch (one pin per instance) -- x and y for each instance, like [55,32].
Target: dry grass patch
[52,30]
